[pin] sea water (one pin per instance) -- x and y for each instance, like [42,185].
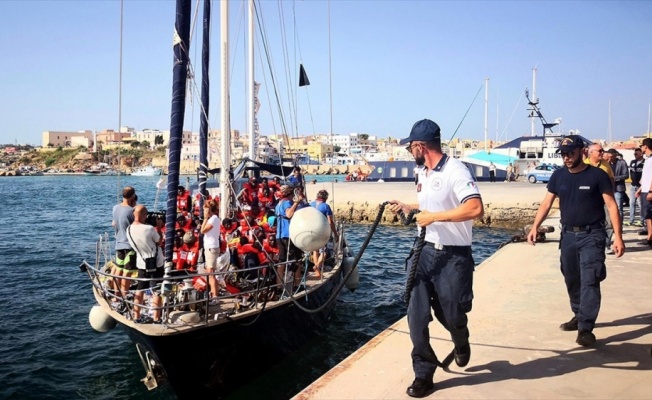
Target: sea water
[48,350]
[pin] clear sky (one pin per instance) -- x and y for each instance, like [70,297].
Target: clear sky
[393,63]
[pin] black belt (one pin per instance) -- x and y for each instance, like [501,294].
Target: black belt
[450,249]
[568,228]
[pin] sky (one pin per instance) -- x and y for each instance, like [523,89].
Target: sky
[375,67]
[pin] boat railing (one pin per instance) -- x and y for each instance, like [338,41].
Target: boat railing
[246,288]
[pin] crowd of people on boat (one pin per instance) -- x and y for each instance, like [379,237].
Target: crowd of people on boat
[256,235]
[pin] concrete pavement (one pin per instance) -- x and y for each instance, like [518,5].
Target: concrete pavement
[518,350]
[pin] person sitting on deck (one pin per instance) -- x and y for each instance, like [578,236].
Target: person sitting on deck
[188,253]
[270,245]
[144,239]
[184,200]
[183,222]
[249,193]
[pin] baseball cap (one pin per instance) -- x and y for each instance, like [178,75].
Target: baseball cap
[570,143]
[423,131]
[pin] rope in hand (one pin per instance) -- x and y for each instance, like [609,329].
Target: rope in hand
[421,241]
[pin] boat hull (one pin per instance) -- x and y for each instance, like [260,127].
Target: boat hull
[216,359]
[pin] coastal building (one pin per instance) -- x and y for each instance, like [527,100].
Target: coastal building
[65,139]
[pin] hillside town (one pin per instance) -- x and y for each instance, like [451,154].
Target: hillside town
[64,152]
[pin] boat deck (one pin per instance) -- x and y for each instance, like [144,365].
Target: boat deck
[518,350]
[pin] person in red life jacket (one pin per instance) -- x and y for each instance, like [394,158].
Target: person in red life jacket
[183,222]
[178,242]
[195,204]
[247,227]
[188,253]
[184,200]
[270,245]
[266,195]
[257,213]
[249,193]
[228,226]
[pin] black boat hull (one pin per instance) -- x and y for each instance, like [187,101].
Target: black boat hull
[215,360]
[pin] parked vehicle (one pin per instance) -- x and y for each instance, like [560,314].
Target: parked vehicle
[540,173]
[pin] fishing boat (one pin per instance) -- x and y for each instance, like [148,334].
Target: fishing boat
[148,170]
[205,346]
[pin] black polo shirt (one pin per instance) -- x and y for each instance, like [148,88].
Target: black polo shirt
[580,195]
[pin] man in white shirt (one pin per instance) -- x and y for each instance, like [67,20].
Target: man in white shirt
[144,239]
[645,191]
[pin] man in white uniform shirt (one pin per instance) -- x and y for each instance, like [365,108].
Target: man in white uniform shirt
[645,191]
[449,201]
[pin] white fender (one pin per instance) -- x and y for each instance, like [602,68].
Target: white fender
[309,229]
[100,320]
[354,280]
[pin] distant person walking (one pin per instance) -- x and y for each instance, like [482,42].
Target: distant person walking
[583,192]
[645,191]
[449,200]
[492,172]
[635,172]
[509,176]
[621,173]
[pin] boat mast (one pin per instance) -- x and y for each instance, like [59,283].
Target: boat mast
[204,106]
[225,128]
[486,111]
[534,99]
[180,76]
[250,86]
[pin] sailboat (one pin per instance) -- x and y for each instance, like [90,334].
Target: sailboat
[205,346]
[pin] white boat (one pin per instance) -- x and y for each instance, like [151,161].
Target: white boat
[147,171]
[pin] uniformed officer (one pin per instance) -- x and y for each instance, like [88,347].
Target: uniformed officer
[449,200]
[583,192]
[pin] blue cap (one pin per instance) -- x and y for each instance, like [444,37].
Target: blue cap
[570,143]
[423,131]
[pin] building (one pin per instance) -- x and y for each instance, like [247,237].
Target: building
[62,138]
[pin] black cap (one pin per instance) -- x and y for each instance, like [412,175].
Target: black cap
[570,143]
[423,131]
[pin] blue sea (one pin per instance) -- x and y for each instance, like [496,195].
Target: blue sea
[48,350]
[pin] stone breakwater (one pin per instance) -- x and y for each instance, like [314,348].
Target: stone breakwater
[507,205]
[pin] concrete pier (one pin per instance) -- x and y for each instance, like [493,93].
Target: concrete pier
[518,350]
[507,204]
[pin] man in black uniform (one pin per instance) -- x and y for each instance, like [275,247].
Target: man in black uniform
[583,192]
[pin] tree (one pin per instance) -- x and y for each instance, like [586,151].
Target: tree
[363,136]
[135,144]
[144,144]
[337,149]
[158,140]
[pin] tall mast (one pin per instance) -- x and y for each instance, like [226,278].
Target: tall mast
[486,111]
[535,100]
[250,85]
[649,112]
[204,105]
[180,76]
[226,112]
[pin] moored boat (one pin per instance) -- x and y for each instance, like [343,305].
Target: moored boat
[148,170]
[209,346]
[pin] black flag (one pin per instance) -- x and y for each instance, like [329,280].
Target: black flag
[303,77]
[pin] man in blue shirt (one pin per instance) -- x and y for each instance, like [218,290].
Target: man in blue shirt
[320,204]
[292,200]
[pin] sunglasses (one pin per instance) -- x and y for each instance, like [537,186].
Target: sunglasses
[410,146]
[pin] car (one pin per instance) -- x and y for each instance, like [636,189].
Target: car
[540,173]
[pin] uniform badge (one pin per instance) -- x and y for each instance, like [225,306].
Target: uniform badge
[436,184]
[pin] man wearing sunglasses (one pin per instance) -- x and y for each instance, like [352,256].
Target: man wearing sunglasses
[583,192]
[449,201]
